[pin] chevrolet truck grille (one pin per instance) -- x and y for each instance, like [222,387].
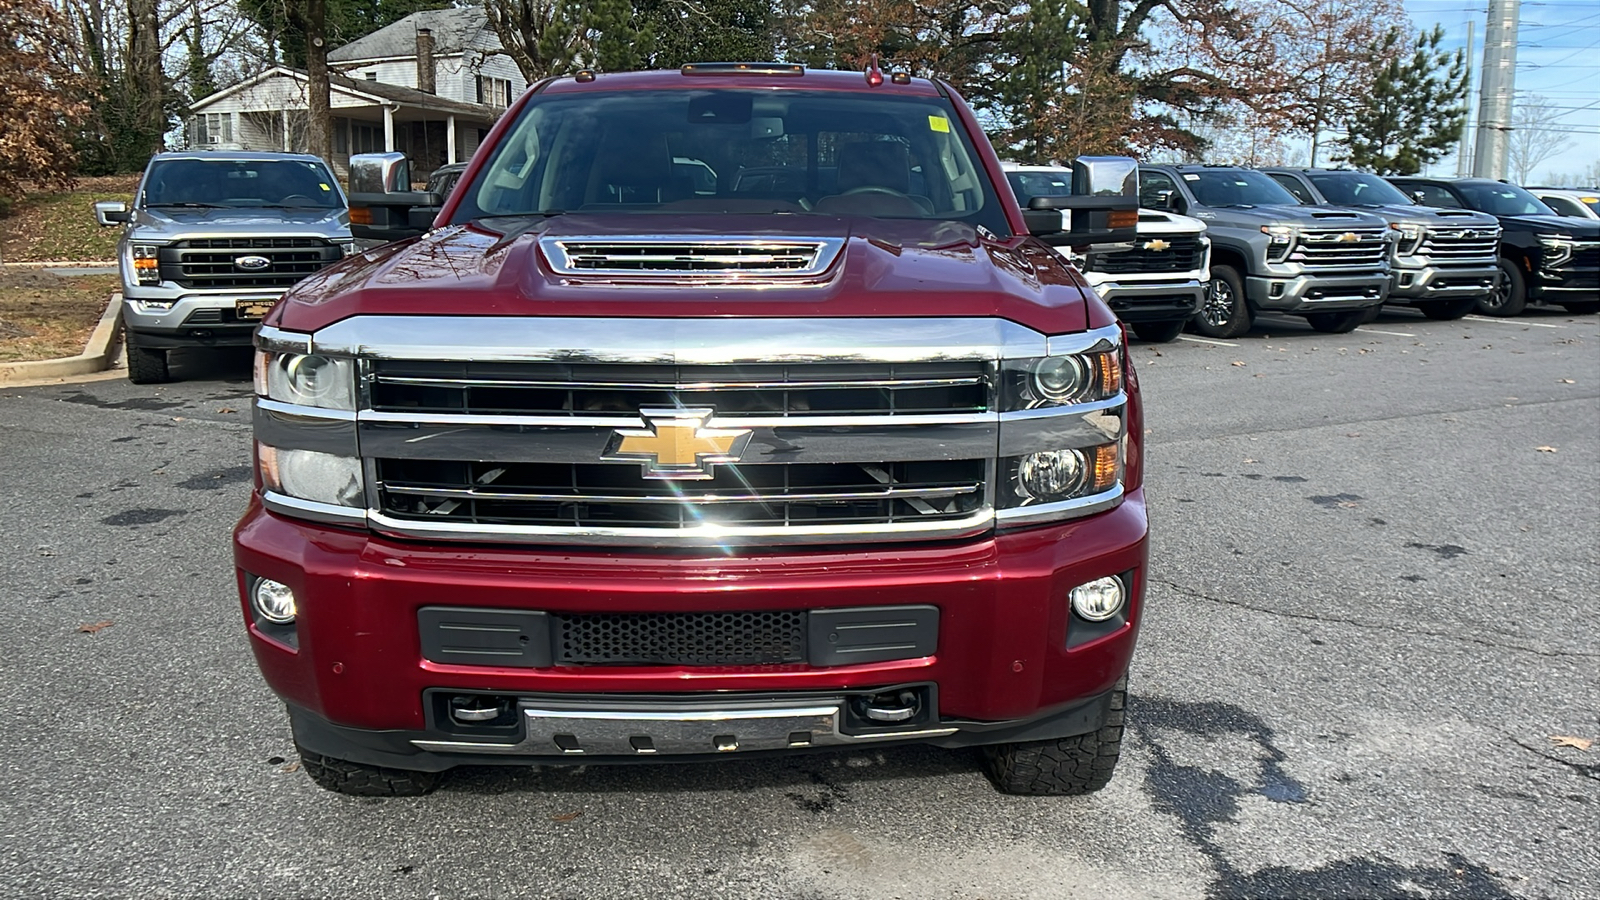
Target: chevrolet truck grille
[1182,254]
[1334,249]
[212,263]
[1454,245]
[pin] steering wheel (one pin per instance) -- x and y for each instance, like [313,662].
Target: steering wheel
[875,189]
[295,197]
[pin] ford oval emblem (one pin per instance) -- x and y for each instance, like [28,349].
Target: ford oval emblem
[252,263]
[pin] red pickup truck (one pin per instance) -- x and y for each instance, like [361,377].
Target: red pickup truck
[730,410]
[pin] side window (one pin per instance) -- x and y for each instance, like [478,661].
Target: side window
[1293,186]
[1153,186]
[1562,205]
[1433,195]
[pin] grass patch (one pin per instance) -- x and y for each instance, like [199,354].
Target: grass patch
[45,316]
[44,227]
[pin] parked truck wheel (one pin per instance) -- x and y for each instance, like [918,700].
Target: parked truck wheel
[1068,766]
[1580,308]
[360,780]
[1159,332]
[1510,294]
[1225,312]
[1337,322]
[147,366]
[1447,310]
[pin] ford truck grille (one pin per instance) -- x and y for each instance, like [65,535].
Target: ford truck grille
[617,496]
[1179,254]
[685,639]
[739,256]
[1336,249]
[213,263]
[554,389]
[1466,245]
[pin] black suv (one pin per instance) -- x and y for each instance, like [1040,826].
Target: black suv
[1545,259]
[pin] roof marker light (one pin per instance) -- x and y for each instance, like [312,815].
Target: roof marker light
[583,76]
[900,76]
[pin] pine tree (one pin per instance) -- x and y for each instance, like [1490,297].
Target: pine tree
[1415,112]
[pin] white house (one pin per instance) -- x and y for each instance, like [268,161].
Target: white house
[429,85]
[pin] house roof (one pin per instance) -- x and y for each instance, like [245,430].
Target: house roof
[454,30]
[376,91]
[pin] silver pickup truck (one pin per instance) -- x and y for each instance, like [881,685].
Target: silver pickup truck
[213,239]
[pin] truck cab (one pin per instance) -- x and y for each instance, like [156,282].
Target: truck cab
[212,240]
[1270,253]
[1444,263]
[616,465]
[1155,283]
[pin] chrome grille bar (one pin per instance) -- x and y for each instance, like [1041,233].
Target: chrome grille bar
[676,257]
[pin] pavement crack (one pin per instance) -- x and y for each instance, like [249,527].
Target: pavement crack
[1357,623]
[1584,770]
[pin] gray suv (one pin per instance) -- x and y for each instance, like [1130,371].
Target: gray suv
[1445,261]
[213,239]
[1268,252]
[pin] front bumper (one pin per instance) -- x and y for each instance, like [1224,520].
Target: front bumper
[1317,293]
[1425,283]
[1153,302]
[209,320]
[1566,284]
[1011,661]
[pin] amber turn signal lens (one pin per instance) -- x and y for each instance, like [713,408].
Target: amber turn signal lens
[1105,468]
[360,215]
[1124,218]
[1110,373]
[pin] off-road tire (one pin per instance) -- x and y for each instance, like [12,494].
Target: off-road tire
[147,366]
[1065,767]
[1510,294]
[1336,322]
[360,780]
[1583,307]
[1448,310]
[1224,313]
[1159,332]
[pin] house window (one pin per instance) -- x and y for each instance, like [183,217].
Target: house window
[494,91]
[373,75]
[341,136]
[213,128]
[366,138]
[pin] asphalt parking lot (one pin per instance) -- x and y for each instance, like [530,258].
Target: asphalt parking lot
[1375,565]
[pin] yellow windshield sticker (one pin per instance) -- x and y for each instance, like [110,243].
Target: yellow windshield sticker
[939,124]
[324,187]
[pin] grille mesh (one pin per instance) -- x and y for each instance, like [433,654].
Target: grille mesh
[210,262]
[689,639]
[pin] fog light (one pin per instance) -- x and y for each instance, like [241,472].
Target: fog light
[1098,600]
[273,601]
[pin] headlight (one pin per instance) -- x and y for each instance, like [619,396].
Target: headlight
[310,475]
[1557,250]
[328,382]
[1053,476]
[1280,240]
[1409,238]
[1061,380]
[146,263]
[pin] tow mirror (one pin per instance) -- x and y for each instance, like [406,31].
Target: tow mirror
[383,207]
[111,212]
[1416,196]
[1171,201]
[1103,208]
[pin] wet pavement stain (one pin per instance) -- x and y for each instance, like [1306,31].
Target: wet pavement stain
[217,479]
[147,404]
[1444,551]
[1290,479]
[140,516]
[1335,501]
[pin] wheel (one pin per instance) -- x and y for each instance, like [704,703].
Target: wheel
[1445,310]
[360,780]
[1064,767]
[1159,332]
[147,366]
[1337,322]
[1583,307]
[1510,294]
[1224,313]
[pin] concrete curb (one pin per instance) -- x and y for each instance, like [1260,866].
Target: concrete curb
[97,355]
[63,264]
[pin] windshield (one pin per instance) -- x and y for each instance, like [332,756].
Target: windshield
[236,183]
[1359,189]
[734,151]
[1028,185]
[1502,200]
[1237,187]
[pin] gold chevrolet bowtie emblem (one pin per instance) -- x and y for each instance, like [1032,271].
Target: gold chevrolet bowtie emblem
[1156,245]
[676,445]
[1349,237]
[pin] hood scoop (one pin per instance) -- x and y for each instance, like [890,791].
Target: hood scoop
[677,258]
[1332,215]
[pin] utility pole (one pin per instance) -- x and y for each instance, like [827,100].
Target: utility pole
[1464,151]
[1499,84]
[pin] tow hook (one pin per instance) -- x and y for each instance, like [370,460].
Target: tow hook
[889,709]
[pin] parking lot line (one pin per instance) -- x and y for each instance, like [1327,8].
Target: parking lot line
[1185,337]
[1395,333]
[1510,321]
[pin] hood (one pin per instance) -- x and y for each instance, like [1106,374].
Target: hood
[1303,216]
[1582,229]
[884,268]
[1160,221]
[1431,216]
[173,224]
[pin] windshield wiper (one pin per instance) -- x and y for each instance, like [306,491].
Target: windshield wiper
[289,206]
[187,205]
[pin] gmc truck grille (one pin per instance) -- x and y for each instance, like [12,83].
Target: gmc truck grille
[684,639]
[617,496]
[1460,245]
[554,389]
[214,263]
[1154,254]
[1336,249]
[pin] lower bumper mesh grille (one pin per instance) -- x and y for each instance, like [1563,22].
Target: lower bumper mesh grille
[690,639]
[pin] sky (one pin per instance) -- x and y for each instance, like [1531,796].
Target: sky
[1558,57]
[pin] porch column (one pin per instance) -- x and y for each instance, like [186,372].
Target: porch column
[450,139]
[284,115]
[388,129]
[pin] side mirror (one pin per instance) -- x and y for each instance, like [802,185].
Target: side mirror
[111,212]
[1171,201]
[1416,197]
[1103,208]
[383,207]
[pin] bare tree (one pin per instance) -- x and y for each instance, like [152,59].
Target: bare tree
[1535,135]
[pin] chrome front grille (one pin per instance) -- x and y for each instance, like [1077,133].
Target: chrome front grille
[722,256]
[557,389]
[1340,248]
[1475,245]
[212,263]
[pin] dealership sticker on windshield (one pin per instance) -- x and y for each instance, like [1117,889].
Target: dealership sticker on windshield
[1191,178]
[939,123]
[324,187]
